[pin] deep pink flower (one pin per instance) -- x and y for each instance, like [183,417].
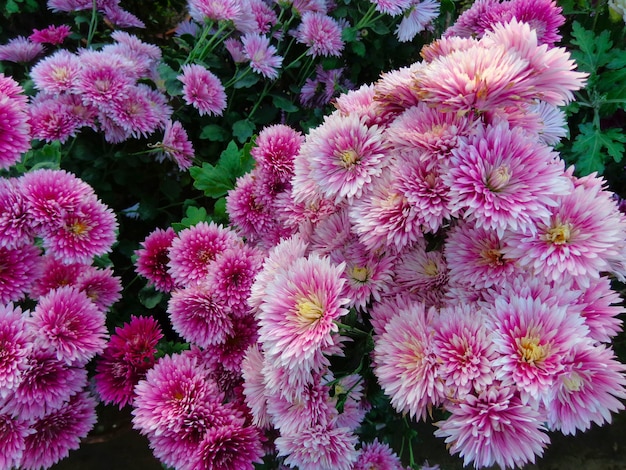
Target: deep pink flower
[20,268]
[104,78]
[214,10]
[20,49]
[51,119]
[274,151]
[176,145]
[129,354]
[232,445]
[203,90]
[15,344]
[227,356]
[55,273]
[264,16]
[321,34]
[153,258]
[379,456]
[51,35]
[69,323]
[544,16]
[196,247]
[494,427]
[601,310]
[261,54]
[13,433]
[134,111]
[101,286]
[16,224]
[59,431]
[14,126]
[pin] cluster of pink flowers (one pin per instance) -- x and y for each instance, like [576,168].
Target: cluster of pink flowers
[52,226]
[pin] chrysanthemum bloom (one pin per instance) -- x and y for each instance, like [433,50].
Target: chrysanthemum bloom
[494,427]
[254,386]
[51,194]
[477,19]
[153,258]
[88,231]
[532,339]
[395,91]
[383,217]
[134,111]
[46,385]
[54,274]
[195,247]
[16,225]
[136,48]
[503,180]
[553,125]
[392,7]
[69,5]
[344,156]
[406,362]
[275,149]
[20,268]
[320,447]
[20,50]
[418,270]
[57,73]
[120,17]
[360,102]
[264,16]
[577,238]
[175,145]
[200,314]
[103,78]
[101,286]
[14,127]
[377,455]
[590,388]
[321,34]
[381,312]
[203,90]
[51,119]
[15,344]
[59,431]
[419,16]
[51,35]
[475,257]
[601,310]
[297,317]
[544,16]
[129,354]
[67,321]
[214,10]
[261,54]
[13,432]
[465,348]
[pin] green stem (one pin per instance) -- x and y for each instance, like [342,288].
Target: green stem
[365,21]
[351,329]
[205,32]
[93,23]
[236,77]
[264,93]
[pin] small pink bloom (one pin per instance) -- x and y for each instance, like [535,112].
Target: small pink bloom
[203,90]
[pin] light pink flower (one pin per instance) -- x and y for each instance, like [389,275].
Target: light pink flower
[100,286]
[418,270]
[377,455]
[261,54]
[176,145]
[601,310]
[20,49]
[419,16]
[203,90]
[51,119]
[214,10]
[392,7]
[57,73]
[321,34]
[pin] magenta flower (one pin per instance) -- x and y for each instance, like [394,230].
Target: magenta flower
[203,90]
[134,111]
[230,446]
[16,224]
[13,432]
[67,321]
[377,455]
[53,34]
[103,78]
[195,247]
[15,344]
[20,268]
[153,258]
[544,16]
[55,273]
[321,34]
[274,151]
[176,145]
[129,354]
[261,54]
[51,119]
[494,427]
[20,50]
[214,10]
[418,270]
[100,286]
[59,431]
[14,126]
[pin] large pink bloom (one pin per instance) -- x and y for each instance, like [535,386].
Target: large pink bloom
[13,433]
[15,344]
[16,223]
[494,427]
[14,127]
[261,54]
[57,73]
[203,90]
[20,268]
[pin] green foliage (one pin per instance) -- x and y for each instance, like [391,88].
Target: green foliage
[593,147]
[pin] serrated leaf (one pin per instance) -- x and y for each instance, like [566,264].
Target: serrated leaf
[194,215]
[214,133]
[173,86]
[246,81]
[349,34]
[243,130]
[589,146]
[594,49]
[283,103]
[612,84]
[210,179]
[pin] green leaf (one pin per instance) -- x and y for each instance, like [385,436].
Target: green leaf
[214,133]
[173,86]
[246,81]
[589,146]
[284,103]
[612,84]
[243,130]
[149,296]
[380,28]
[12,7]
[349,34]
[595,49]
[358,48]
[194,215]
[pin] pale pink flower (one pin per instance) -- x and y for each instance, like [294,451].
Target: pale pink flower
[601,310]
[419,16]
[392,7]
[254,386]
[377,455]
[57,73]
[176,145]
[396,91]
[20,49]
[203,90]
[214,10]
[418,270]
[261,54]
[321,34]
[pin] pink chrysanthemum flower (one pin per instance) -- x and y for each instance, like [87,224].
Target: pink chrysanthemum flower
[120,17]
[228,355]
[254,386]
[321,34]
[395,91]
[552,122]
[502,179]
[100,286]
[153,258]
[465,348]
[88,231]
[16,224]
[66,321]
[20,50]
[264,16]
[532,339]
[377,455]
[544,16]
[135,112]
[136,48]
[51,119]
[274,151]
[129,354]
[176,145]
[46,385]
[203,90]
[383,217]
[418,270]
[406,362]
[57,73]
[419,16]
[15,344]
[51,194]
[360,102]
[53,34]
[577,238]
[298,315]
[201,314]
[14,126]
[590,388]
[319,447]
[392,7]
[261,54]
[103,78]
[13,433]
[195,247]
[344,156]
[214,10]
[476,257]
[20,268]
[477,19]
[381,312]
[601,310]
[494,427]
[54,274]
[59,431]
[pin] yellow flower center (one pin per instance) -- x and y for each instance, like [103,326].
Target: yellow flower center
[359,273]
[309,310]
[348,158]
[499,178]
[559,234]
[573,382]
[531,351]
[493,257]
[78,228]
[431,269]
